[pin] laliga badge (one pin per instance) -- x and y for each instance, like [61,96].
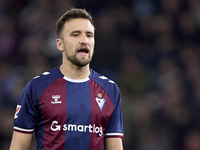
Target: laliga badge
[17,111]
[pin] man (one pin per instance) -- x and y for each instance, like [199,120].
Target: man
[70,107]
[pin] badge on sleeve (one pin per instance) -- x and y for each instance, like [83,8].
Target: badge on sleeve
[17,111]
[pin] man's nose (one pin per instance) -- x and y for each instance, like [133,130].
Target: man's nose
[84,39]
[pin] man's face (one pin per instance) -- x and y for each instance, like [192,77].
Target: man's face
[77,41]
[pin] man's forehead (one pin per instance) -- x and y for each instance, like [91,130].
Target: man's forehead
[79,24]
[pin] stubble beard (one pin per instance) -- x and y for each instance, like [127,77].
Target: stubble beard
[76,61]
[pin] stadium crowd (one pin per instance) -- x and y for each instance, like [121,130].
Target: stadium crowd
[150,48]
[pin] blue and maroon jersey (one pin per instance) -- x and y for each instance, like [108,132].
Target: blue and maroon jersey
[70,114]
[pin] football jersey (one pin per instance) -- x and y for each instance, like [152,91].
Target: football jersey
[68,114]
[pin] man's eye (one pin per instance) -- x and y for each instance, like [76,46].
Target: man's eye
[90,35]
[75,34]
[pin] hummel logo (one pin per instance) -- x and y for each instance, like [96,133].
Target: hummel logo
[56,97]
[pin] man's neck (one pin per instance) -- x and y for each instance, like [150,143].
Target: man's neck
[75,72]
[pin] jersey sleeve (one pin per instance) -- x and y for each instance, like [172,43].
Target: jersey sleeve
[115,125]
[26,114]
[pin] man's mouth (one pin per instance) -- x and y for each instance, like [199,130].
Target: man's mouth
[83,51]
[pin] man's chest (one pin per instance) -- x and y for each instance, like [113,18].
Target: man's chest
[79,104]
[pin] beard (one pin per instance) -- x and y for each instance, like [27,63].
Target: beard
[76,61]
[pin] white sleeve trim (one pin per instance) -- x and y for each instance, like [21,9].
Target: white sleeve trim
[25,130]
[114,134]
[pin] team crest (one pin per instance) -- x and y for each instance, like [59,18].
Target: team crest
[17,111]
[100,101]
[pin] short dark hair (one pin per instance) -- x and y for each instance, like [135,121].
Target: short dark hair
[73,13]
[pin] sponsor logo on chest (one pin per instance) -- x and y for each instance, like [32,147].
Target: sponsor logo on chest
[55,126]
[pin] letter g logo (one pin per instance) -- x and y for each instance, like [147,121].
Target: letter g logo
[54,126]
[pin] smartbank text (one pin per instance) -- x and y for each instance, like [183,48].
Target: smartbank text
[80,128]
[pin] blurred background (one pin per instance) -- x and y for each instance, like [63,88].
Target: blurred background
[150,48]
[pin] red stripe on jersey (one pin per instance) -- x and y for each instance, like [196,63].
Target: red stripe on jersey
[99,117]
[53,106]
[23,131]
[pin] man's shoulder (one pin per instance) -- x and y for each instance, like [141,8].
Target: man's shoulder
[108,85]
[46,78]
[48,75]
[97,76]
[102,80]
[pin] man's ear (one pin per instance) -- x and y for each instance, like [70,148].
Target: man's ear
[59,43]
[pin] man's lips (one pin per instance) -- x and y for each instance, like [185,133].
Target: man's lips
[83,51]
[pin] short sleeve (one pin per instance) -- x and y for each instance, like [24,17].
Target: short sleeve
[115,125]
[26,114]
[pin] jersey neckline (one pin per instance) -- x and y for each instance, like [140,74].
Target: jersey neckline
[76,81]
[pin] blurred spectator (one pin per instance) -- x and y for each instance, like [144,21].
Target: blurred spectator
[8,36]
[192,140]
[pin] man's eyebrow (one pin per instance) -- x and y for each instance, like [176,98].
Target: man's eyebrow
[90,32]
[76,31]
